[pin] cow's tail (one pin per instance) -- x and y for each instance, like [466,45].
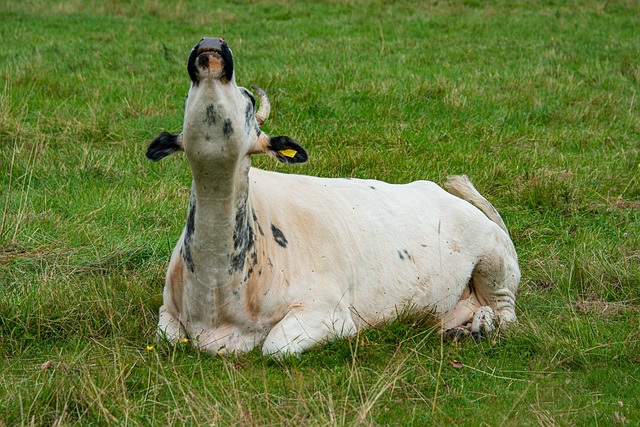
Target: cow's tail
[461,186]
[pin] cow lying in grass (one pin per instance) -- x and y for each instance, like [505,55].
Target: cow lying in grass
[290,261]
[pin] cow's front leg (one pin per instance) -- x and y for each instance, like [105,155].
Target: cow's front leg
[169,327]
[304,328]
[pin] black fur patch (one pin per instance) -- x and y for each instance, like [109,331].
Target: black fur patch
[227,128]
[254,262]
[211,115]
[249,117]
[191,65]
[243,239]
[188,235]
[255,219]
[278,236]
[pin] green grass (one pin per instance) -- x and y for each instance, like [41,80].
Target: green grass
[538,103]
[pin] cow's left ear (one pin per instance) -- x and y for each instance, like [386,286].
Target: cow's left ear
[287,150]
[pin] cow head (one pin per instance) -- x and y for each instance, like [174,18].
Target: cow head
[221,125]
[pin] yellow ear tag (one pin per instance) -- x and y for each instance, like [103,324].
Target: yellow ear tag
[288,153]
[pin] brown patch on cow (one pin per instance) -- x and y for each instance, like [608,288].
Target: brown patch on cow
[215,64]
[253,297]
[176,282]
[262,145]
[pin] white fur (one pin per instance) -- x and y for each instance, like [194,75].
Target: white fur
[358,252]
[342,270]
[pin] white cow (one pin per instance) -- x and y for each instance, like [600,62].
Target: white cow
[290,261]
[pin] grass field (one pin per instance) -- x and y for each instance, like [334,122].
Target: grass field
[537,102]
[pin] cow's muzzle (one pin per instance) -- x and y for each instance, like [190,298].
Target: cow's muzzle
[210,56]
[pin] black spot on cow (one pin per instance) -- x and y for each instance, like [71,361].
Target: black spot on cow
[227,128]
[278,236]
[211,115]
[249,119]
[254,262]
[250,122]
[243,239]
[188,235]
[255,220]
[404,254]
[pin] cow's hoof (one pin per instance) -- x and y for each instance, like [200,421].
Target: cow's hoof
[455,334]
[483,323]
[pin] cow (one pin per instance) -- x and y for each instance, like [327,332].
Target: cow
[287,262]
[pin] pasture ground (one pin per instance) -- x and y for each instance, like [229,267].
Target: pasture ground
[538,103]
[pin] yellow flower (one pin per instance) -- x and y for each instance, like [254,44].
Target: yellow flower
[149,347]
[185,340]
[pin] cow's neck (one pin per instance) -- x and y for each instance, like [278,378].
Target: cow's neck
[218,234]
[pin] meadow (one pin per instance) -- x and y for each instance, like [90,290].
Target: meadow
[537,102]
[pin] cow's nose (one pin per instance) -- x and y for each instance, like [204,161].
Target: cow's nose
[211,43]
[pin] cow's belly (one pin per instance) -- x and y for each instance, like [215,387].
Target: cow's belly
[382,247]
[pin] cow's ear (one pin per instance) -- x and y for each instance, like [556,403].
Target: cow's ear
[287,150]
[163,145]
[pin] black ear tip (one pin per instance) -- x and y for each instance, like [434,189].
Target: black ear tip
[153,155]
[163,145]
[304,157]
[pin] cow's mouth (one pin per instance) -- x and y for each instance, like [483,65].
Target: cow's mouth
[211,56]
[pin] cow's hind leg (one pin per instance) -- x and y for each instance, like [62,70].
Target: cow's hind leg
[490,302]
[496,279]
